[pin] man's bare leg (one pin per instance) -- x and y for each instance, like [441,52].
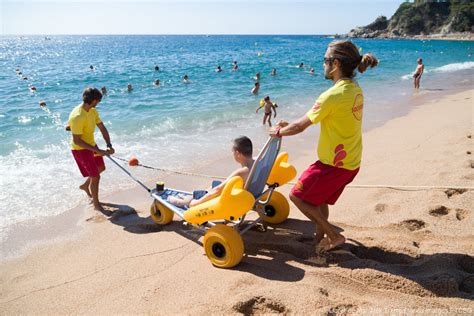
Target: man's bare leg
[85,187]
[319,230]
[333,238]
[94,186]
[319,235]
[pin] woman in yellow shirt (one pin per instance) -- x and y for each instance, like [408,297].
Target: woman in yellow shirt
[339,112]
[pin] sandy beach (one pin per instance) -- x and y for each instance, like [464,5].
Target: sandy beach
[408,250]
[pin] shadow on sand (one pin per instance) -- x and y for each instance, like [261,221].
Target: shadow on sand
[271,255]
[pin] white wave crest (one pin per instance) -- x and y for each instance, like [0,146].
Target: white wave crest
[455,67]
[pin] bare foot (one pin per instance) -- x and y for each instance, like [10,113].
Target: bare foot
[318,237]
[328,244]
[85,188]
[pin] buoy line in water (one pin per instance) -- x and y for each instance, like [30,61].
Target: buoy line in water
[354,186]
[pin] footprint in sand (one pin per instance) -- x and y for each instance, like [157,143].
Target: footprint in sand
[450,192]
[382,208]
[412,224]
[380,254]
[149,227]
[260,305]
[99,218]
[438,211]
[122,213]
[461,214]
[342,309]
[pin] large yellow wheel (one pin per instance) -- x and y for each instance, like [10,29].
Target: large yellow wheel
[224,246]
[277,209]
[160,214]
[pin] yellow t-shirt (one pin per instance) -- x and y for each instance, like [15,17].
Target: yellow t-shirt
[83,123]
[339,109]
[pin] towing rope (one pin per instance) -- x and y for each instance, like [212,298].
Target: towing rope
[354,186]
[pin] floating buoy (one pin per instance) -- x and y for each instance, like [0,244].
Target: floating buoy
[133,161]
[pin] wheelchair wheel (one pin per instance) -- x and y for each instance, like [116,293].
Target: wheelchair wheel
[160,214]
[224,246]
[277,209]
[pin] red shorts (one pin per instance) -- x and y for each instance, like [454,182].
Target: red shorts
[322,183]
[89,165]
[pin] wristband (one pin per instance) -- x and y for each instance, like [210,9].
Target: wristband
[109,145]
[278,132]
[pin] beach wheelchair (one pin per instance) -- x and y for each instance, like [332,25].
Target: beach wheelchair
[222,219]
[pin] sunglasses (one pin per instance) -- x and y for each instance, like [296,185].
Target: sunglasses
[328,60]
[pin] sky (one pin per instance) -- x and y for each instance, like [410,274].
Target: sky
[28,17]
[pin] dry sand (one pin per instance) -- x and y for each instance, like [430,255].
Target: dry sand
[407,251]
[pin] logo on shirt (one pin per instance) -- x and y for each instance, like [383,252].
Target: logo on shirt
[340,154]
[358,106]
[316,107]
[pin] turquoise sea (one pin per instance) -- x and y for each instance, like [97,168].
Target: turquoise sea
[178,126]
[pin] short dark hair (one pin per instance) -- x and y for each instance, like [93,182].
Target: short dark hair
[243,145]
[267,98]
[91,94]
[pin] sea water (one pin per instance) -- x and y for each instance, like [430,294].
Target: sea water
[178,126]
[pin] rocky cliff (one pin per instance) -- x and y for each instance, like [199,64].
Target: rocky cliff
[426,17]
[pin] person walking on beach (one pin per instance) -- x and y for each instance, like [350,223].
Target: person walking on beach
[418,72]
[268,107]
[339,110]
[89,157]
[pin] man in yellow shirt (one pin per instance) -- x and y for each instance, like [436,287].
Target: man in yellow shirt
[339,111]
[89,157]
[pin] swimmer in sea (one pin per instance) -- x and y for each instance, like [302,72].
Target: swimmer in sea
[257,77]
[218,69]
[255,88]
[157,82]
[235,66]
[274,72]
[186,79]
[157,68]
[311,71]
[129,87]
[268,107]
[301,65]
[91,67]
[103,90]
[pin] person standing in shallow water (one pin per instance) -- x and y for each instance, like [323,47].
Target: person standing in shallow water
[418,72]
[339,111]
[89,157]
